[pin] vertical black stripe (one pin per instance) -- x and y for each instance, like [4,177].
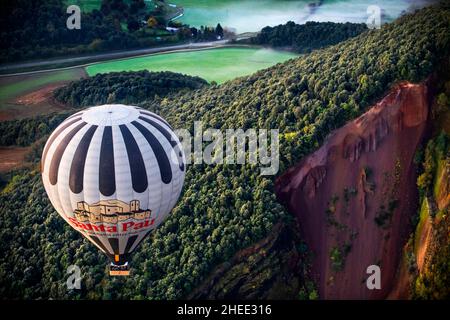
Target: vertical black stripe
[57,155]
[161,156]
[167,135]
[54,136]
[161,129]
[79,161]
[107,178]
[137,166]
[114,242]
[156,117]
[101,245]
[131,240]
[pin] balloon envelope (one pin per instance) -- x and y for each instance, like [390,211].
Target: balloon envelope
[114,173]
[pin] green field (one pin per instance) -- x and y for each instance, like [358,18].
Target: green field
[86,5]
[89,5]
[217,65]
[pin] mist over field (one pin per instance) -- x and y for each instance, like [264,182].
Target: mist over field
[253,15]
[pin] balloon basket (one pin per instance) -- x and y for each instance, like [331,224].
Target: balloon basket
[119,270]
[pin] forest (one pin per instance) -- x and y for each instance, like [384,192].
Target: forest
[305,98]
[304,38]
[32,29]
[125,87]
[432,281]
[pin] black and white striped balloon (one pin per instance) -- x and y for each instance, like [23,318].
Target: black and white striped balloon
[114,173]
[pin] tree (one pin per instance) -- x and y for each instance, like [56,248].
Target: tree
[219,30]
[209,202]
[132,25]
[152,22]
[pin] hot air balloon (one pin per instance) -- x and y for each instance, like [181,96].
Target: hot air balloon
[114,173]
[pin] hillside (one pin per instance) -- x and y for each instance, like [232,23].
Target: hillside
[37,29]
[125,87]
[355,196]
[303,38]
[306,98]
[427,253]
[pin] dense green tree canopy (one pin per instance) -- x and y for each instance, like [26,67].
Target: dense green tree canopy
[223,207]
[125,87]
[31,29]
[306,37]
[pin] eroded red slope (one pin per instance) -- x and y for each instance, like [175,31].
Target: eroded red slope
[364,172]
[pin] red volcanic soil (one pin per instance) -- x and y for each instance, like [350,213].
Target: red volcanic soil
[39,96]
[364,171]
[12,157]
[31,104]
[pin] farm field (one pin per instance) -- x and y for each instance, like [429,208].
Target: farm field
[86,5]
[28,95]
[89,5]
[15,86]
[217,65]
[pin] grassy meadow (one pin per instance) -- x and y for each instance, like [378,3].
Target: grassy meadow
[217,65]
